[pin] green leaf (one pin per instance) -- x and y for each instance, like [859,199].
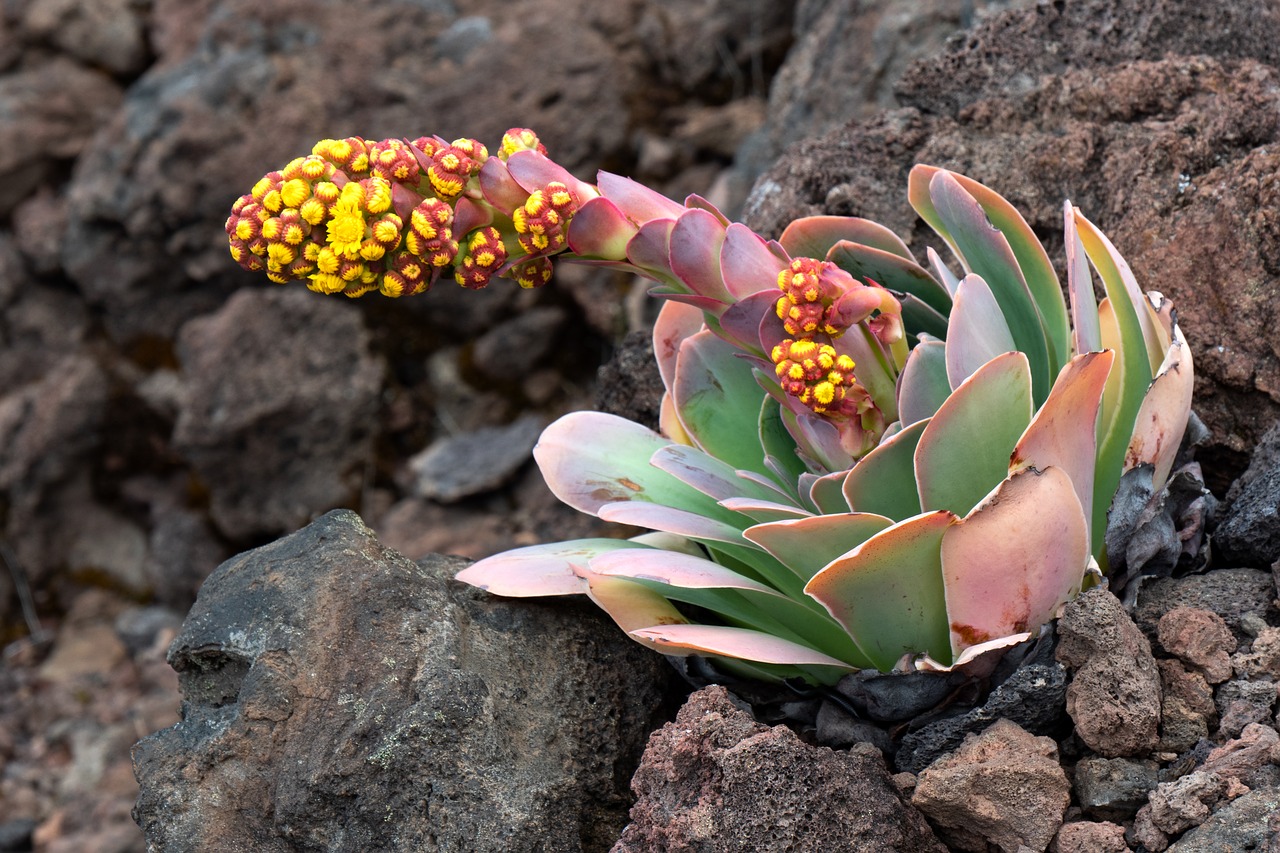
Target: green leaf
[964,451]
[978,331]
[923,386]
[718,400]
[985,250]
[884,481]
[805,545]
[1162,418]
[888,592]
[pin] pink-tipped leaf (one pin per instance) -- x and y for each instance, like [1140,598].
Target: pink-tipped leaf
[806,545]
[884,481]
[1016,559]
[742,643]
[976,332]
[696,240]
[748,263]
[599,230]
[552,569]
[813,236]
[1162,418]
[923,386]
[636,201]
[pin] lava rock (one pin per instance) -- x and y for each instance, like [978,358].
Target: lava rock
[1253,758]
[629,384]
[110,34]
[1049,103]
[1200,639]
[338,696]
[716,780]
[1114,695]
[1033,697]
[1004,786]
[514,347]
[1237,595]
[1262,658]
[1241,702]
[1248,532]
[1187,711]
[280,392]
[1250,822]
[1186,802]
[1114,788]
[459,466]
[1089,837]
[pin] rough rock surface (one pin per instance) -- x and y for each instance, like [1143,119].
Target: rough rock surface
[716,780]
[1249,531]
[1153,123]
[1251,822]
[279,387]
[1200,639]
[458,466]
[1089,837]
[1237,595]
[1113,788]
[416,713]
[1003,787]
[1114,695]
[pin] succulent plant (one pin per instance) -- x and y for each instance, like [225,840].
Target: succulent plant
[864,462]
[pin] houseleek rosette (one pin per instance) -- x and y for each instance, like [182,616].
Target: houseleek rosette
[863,463]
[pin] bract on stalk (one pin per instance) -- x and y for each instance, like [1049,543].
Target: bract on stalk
[863,462]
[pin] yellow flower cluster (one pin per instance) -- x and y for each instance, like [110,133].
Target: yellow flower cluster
[814,374]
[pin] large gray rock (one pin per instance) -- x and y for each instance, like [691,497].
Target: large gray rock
[339,697]
[1248,533]
[1251,822]
[716,780]
[276,416]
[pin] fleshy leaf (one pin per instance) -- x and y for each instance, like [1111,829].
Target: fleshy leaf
[813,236]
[942,272]
[709,475]
[717,400]
[923,385]
[675,569]
[1163,416]
[763,510]
[741,643]
[696,240]
[1087,337]
[827,493]
[977,333]
[748,263]
[650,249]
[986,251]
[668,519]
[888,592]
[884,481]
[741,322]
[590,459]
[533,171]
[541,569]
[676,321]
[892,271]
[636,201]
[1013,561]
[1064,433]
[918,318]
[599,230]
[806,545]
[632,605]
[499,188]
[964,451]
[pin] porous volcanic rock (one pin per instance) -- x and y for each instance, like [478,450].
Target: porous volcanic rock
[280,389]
[1155,123]
[716,780]
[338,696]
[1003,787]
[1114,694]
[1249,531]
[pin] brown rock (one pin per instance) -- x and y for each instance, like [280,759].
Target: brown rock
[1165,154]
[716,780]
[1257,747]
[1089,837]
[1187,711]
[1186,802]
[104,33]
[280,392]
[1263,657]
[49,111]
[1239,596]
[1114,695]
[1003,785]
[1242,702]
[1201,639]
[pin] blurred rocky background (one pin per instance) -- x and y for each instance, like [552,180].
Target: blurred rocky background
[161,410]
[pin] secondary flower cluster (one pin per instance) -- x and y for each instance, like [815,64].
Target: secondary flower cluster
[395,215]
